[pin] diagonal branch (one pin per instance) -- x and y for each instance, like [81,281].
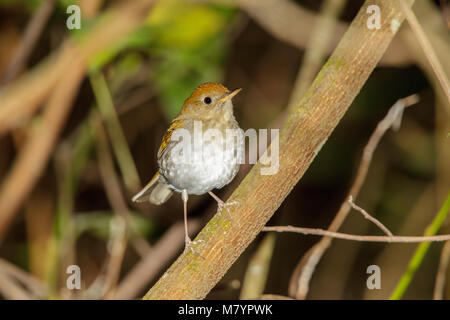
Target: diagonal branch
[306,131]
[427,48]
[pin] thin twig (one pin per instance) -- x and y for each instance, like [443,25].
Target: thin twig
[117,137]
[427,48]
[70,160]
[354,237]
[445,12]
[31,282]
[29,39]
[134,100]
[439,286]
[11,290]
[119,224]
[299,284]
[369,217]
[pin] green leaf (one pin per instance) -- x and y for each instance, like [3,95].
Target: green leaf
[185,25]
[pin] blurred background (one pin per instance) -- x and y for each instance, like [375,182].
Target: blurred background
[83,111]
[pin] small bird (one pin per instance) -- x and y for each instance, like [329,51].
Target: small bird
[213,160]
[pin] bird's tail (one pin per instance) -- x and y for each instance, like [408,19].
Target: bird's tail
[157,191]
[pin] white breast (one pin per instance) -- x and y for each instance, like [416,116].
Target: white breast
[212,164]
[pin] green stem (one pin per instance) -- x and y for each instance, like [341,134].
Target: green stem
[421,251]
[117,137]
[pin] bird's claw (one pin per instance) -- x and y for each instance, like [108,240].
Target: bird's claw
[221,205]
[189,246]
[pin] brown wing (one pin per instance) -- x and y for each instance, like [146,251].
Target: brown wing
[176,124]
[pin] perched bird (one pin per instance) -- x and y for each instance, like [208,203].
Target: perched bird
[193,163]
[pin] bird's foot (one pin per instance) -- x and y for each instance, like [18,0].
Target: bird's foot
[224,205]
[188,246]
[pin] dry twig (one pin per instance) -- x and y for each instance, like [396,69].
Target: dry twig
[29,39]
[11,290]
[119,224]
[33,284]
[441,273]
[354,237]
[369,217]
[427,48]
[117,137]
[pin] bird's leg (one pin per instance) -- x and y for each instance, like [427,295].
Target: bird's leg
[222,205]
[187,240]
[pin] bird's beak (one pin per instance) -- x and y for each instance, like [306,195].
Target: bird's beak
[229,95]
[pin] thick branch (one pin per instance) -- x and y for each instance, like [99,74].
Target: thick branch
[193,276]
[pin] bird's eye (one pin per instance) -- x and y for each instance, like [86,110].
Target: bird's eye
[207,100]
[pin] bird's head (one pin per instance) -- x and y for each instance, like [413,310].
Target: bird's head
[210,99]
